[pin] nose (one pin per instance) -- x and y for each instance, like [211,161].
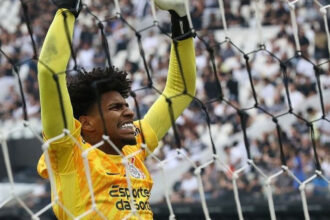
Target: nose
[128,112]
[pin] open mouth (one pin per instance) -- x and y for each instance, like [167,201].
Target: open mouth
[128,126]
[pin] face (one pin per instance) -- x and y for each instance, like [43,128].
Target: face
[118,119]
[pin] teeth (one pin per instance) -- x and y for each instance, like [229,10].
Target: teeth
[128,125]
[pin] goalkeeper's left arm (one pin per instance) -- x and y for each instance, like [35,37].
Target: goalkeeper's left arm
[158,115]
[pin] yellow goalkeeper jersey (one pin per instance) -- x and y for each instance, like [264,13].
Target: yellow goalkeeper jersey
[108,177]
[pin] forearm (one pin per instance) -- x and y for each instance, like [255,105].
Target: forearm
[54,57]
[158,115]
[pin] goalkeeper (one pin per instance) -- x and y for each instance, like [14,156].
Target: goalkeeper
[108,174]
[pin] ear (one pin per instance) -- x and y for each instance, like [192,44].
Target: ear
[87,123]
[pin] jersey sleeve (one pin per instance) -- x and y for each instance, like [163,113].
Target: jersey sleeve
[158,116]
[146,135]
[53,60]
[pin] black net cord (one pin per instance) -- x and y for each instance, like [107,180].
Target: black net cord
[243,117]
[105,44]
[133,95]
[68,37]
[142,54]
[21,91]
[55,77]
[210,50]
[248,68]
[99,105]
[279,135]
[28,24]
[208,122]
[317,162]
[175,131]
[318,83]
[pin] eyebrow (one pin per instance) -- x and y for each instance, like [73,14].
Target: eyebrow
[117,103]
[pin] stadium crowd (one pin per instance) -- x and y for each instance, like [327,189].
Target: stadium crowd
[231,71]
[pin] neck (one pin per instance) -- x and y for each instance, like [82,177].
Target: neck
[106,147]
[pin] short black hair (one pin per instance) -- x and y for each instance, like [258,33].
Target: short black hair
[82,93]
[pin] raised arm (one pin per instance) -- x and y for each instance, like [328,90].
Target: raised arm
[54,58]
[158,115]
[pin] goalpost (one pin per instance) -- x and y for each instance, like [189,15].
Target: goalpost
[252,114]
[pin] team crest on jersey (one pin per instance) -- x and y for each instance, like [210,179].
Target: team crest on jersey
[134,171]
[137,131]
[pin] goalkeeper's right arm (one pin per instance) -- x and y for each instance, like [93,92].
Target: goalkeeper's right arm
[54,57]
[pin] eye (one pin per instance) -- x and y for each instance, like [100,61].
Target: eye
[118,106]
[114,107]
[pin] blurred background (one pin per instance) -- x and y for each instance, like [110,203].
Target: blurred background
[225,126]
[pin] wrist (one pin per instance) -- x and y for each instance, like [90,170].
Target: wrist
[180,27]
[73,6]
